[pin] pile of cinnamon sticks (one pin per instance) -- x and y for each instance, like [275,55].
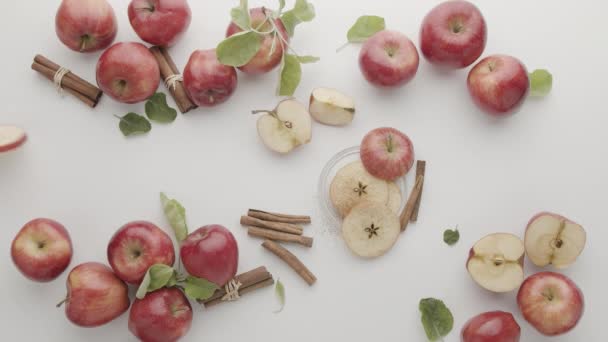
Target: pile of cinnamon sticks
[249,281]
[410,212]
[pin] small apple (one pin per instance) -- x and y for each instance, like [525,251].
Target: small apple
[11,138]
[263,61]
[551,303]
[495,326]
[207,81]
[453,34]
[496,262]
[128,72]
[389,59]
[86,25]
[135,247]
[286,127]
[387,153]
[211,253]
[42,249]
[160,22]
[499,84]
[331,107]
[164,315]
[95,296]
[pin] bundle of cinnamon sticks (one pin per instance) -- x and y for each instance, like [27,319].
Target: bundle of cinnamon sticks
[248,282]
[171,76]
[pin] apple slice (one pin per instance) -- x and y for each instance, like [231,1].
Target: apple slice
[353,185]
[330,107]
[371,229]
[553,239]
[394,197]
[496,262]
[286,127]
[11,138]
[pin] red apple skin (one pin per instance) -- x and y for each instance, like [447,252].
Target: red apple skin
[499,84]
[263,61]
[42,250]
[494,326]
[160,22]
[86,25]
[453,35]
[551,302]
[211,253]
[389,59]
[96,295]
[164,315]
[14,145]
[377,159]
[207,81]
[135,247]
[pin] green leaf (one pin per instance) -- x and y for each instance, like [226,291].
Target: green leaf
[541,82]
[291,74]
[303,11]
[176,215]
[157,277]
[450,237]
[290,21]
[365,27]
[238,49]
[158,110]
[198,288]
[240,15]
[436,318]
[133,124]
[308,59]
[281,6]
[279,290]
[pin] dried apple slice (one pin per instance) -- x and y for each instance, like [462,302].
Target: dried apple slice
[371,229]
[394,197]
[353,185]
[331,107]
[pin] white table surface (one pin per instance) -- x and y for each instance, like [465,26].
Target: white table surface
[483,175]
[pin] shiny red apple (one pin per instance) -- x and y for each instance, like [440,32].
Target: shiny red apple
[86,25]
[160,22]
[387,153]
[207,81]
[494,326]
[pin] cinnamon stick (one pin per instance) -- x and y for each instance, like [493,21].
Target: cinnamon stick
[291,260]
[280,236]
[168,69]
[250,281]
[420,171]
[275,217]
[406,215]
[278,226]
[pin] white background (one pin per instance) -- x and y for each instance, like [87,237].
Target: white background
[483,175]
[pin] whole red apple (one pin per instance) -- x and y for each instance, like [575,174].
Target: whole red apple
[164,315]
[453,34]
[128,72]
[207,81]
[211,253]
[42,249]
[494,326]
[86,25]
[499,84]
[387,153]
[263,61]
[389,59]
[160,22]
[95,296]
[135,247]
[551,303]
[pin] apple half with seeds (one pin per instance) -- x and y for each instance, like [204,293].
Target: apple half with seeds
[286,127]
[11,138]
[371,229]
[353,185]
[331,107]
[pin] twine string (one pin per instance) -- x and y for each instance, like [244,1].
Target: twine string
[171,81]
[58,78]
[232,290]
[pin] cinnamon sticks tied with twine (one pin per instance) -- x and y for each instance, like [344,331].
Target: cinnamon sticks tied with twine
[172,78]
[241,285]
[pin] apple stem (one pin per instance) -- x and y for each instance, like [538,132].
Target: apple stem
[260,111]
[342,47]
[61,303]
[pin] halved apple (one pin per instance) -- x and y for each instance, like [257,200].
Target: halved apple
[371,229]
[353,185]
[11,138]
[331,107]
[286,127]
[496,262]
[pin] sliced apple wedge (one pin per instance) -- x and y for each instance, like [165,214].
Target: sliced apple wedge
[353,185]
[553,239]
[11,138]
[286,127]
[496,262]
[371,229]
[331,107]
[394,197]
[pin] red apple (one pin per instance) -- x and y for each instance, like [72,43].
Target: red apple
[207,81]
[551,303]
[495,326]
[164,315]
[263,61]
[96,295]
[211,253]
[389,59]
[137,246]
[499,84]
[128,72]
[86,25]
[160,22]
[11,138]
[453,34]
[42,249]
[387,153]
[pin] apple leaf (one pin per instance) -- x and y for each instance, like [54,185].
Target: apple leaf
[133,124]
[308,59]
[279,290]
[451,237]
[291,74]
[176,215]
[240,15]
[198,288]
[436,318]
[541,82]
[365,27]
[281,7]
[158,110]
[303,11]
[238,49]
[157,277]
